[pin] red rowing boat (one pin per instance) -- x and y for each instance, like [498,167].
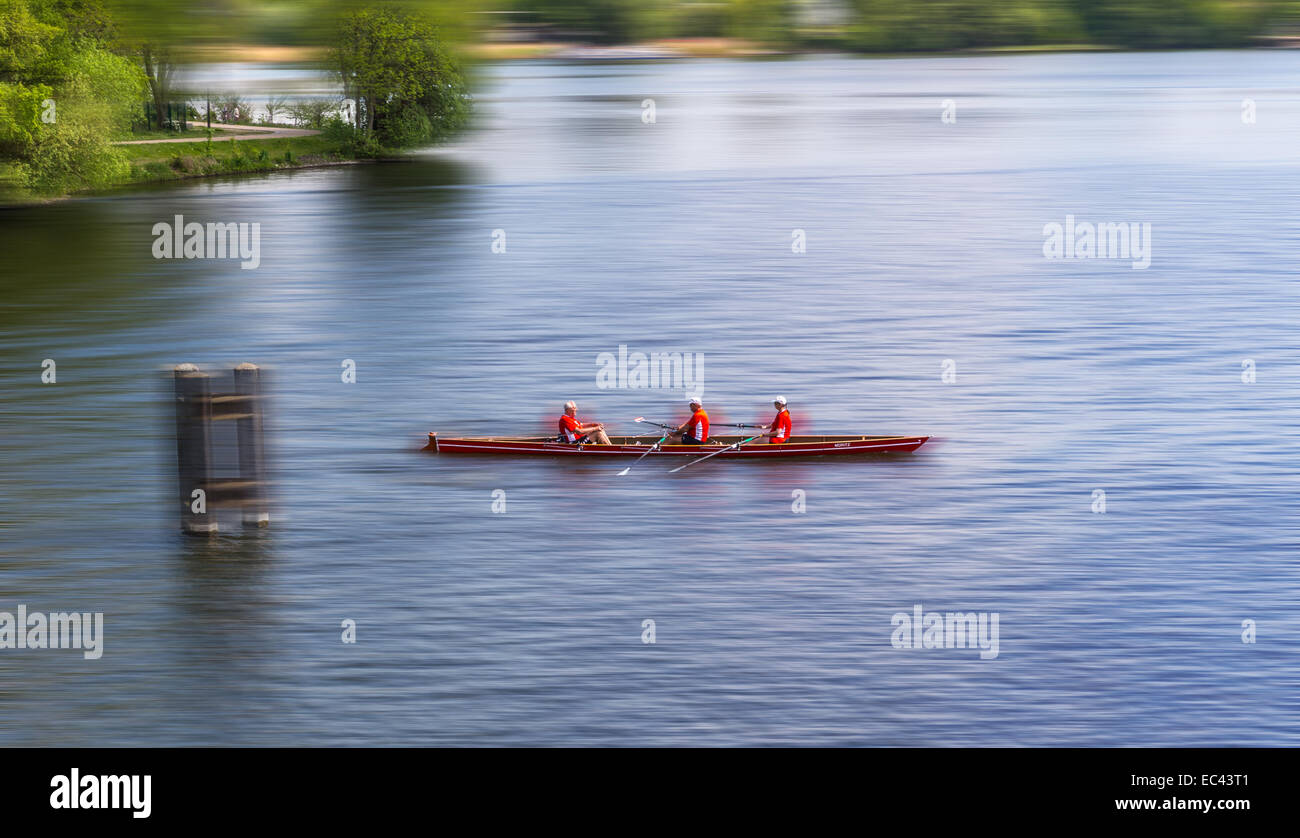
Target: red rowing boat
[798,446]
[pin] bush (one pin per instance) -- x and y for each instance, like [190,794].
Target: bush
[410,126]
[337,130]
[236,160]
[367,145]
[312,113]
[343,133]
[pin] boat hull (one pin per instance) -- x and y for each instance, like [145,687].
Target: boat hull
[798,446]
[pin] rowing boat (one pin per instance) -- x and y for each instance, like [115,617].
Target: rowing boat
[798,446]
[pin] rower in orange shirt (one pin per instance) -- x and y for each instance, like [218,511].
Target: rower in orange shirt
[779,428]
[572,431]
[695,431]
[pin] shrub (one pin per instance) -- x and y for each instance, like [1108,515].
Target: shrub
[236,160]
[335,129]
[312,113]
[410,126]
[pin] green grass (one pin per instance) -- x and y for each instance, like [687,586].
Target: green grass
[171,161]
[175,161]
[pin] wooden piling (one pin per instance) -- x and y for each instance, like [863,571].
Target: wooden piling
[194,448]
[252,452]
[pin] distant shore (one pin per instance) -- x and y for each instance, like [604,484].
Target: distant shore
[240,149]
[666,48]
[701,48]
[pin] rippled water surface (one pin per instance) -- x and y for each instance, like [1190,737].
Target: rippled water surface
[924,244]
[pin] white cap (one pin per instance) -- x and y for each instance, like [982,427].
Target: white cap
[568,405]
[779,400]
[695,400]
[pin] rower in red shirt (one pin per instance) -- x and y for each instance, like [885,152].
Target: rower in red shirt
[572,431]
[695,431]
[779,429]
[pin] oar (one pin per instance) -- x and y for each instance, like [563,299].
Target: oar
[656,424]
[739,425]
[653,448]
[730,447]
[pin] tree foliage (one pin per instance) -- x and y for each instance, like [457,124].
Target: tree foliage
[907,25]
[407,87]
[64,95]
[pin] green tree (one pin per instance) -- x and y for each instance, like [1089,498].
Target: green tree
[597,21]
[764,21]
[407,87]
[64,95]
[1176,23]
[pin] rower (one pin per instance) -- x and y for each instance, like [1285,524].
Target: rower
[695,431]
[573,431]
[779,428]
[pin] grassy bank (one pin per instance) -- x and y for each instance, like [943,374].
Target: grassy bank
[175,161]
[178,161]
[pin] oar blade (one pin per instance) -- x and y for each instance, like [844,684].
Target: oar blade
[653,448]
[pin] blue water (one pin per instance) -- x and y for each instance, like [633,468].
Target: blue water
[923,246]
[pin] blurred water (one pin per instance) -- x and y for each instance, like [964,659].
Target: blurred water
[924,243]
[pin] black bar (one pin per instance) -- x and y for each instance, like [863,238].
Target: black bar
[917,790]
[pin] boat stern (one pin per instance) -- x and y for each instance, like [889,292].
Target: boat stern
[433,442]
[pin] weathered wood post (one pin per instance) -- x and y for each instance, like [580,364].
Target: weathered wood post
[252,452]
[194,448]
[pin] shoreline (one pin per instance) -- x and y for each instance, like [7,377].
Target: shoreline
[183,176]
[294,149]
[685,48]
[728,48]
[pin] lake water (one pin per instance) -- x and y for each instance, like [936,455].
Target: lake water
[924,254]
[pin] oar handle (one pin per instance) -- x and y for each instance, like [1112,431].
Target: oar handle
[645,421]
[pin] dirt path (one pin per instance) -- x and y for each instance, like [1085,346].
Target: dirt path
[247,132]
